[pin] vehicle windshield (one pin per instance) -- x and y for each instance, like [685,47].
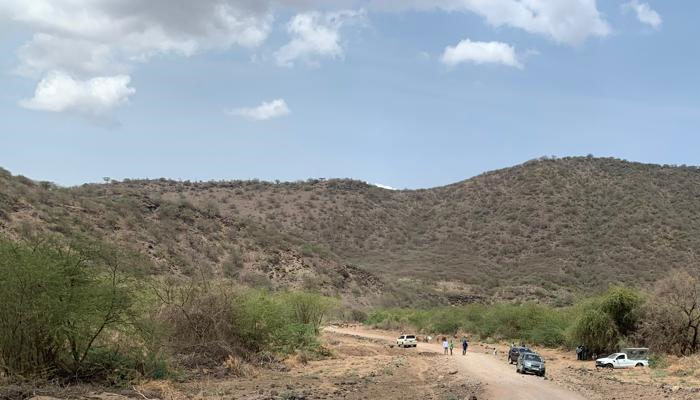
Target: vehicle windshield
[532,357]
[410,337]
[613,355]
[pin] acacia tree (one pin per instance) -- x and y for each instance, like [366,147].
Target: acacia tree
[673,318]
[56,304]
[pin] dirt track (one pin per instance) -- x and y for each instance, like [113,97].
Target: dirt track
[500,380]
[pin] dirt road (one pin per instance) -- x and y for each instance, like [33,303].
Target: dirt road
[501,380]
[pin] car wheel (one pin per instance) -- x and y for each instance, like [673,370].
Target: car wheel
[608,365]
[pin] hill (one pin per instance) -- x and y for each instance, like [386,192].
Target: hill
[548,229]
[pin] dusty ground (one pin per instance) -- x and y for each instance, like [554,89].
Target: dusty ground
[500,380]
[680,379]
[360,368]
[364,365]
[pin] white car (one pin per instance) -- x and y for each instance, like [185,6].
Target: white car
[407,341]
[620,360]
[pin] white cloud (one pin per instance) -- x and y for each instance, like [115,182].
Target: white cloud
[481,53]
[315,34]
[86,39]
[59,92]
[267,110]
[46,52]
[565,21]
[645,13]
[96,41]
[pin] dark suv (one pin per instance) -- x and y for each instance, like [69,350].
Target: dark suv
[514,353]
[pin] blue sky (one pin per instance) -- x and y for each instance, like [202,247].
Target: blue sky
[409,94]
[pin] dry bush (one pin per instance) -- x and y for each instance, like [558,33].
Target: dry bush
[236,366]
[197,317]
[672,322]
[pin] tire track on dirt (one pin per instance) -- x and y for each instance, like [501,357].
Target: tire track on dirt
[501,381]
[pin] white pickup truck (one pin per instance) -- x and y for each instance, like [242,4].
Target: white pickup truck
[407,341]
[621,360]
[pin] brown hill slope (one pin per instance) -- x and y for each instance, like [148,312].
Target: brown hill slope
[543,229]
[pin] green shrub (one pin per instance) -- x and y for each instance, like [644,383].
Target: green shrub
[58,307]
[258,319]
[658,361]
[622,305]
[596,330]
[605,321]
[308,308]
[284,323]
[527,323]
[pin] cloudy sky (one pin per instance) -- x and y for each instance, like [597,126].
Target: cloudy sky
[404,93]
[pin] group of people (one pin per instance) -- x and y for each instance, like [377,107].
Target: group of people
[581,353]
[448,346]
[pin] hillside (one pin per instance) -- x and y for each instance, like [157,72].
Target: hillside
[546,229]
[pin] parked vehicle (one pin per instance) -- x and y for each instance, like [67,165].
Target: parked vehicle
[515,352]
[407,341]
[628,358]
[530,363]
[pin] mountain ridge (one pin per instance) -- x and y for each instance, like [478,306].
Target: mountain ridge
[547,229]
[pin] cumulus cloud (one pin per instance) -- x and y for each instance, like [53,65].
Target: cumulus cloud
[46,52]
[265,111]
[481,53]
[82,45]
[59,92]
[141,29]
[315,35]
[90,39]
[645,13]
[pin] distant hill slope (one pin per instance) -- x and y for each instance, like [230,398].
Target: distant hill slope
[545,229]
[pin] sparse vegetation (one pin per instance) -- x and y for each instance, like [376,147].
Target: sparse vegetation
[672,322]
[602,323]
[527,323]
[73,311]
[538,231]
[529,240]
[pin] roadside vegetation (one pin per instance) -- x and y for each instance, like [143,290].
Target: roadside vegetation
[82,311]
[666,319]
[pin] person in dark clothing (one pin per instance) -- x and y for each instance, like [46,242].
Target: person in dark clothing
[465,344]
[579,353]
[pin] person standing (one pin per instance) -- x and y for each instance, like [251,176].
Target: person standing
[445,345]
[579,353]
[465,344]
[452,346]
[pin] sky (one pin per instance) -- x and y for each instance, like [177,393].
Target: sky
[400,93]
